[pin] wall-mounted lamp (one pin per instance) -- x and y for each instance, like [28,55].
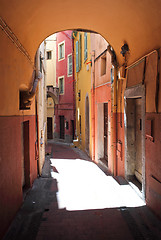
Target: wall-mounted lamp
[124,49]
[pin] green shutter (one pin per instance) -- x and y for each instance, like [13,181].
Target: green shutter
[77,58]
[85,46]
[70,66]
[80,51]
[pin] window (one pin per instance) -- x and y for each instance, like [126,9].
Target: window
[85,47]
[61,50]
[48,53]
[70,65]
[61,85]
[79,53]
[103,65]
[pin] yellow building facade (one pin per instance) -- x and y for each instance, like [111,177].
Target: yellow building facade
[82,60]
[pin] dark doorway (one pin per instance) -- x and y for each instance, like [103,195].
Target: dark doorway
[49,128]
[106,131]
[138,140]
[25,156]
[134,135]
[62,127]
[72,128]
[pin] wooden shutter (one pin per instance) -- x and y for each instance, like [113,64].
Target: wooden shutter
[85,46]
[80,51]
[77,58]
[70,67]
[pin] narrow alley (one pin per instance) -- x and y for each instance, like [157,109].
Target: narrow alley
[74,199]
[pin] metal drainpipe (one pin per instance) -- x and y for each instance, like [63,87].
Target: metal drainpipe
[93,106]
[114,110]
[37,63]
[74,87]
[115,120]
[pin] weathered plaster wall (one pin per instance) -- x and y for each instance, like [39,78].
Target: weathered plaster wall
[152,128]
[153,163]
[16,73]
[11,165]
[102,95]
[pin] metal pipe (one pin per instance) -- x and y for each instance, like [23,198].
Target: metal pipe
[34,87]
[115,121]
[27,96]
[93,105]
[155,51]
[114,110]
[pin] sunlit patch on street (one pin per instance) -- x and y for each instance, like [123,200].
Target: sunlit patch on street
[82,185]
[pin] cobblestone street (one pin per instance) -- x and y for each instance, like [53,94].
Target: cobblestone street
[43,217]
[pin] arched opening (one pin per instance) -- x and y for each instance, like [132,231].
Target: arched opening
[23,30]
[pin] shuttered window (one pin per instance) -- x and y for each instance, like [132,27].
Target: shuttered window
[85,46]
[61,50]
[77,58]
[70,65]
[61,85]
[80,51]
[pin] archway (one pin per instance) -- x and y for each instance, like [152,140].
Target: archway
[26,26]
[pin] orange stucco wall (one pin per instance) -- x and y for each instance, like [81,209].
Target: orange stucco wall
[131,22]
[16,73]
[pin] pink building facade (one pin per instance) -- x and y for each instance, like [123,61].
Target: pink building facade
[101,99]
[64,118]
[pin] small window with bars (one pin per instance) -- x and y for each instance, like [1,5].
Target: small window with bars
[48,55]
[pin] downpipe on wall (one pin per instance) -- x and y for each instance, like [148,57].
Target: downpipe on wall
[93,106]
[114,109]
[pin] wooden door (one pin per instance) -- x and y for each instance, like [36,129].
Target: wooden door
[25,155]
[62,127]
[49,128]
[72,129]
[138,140]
